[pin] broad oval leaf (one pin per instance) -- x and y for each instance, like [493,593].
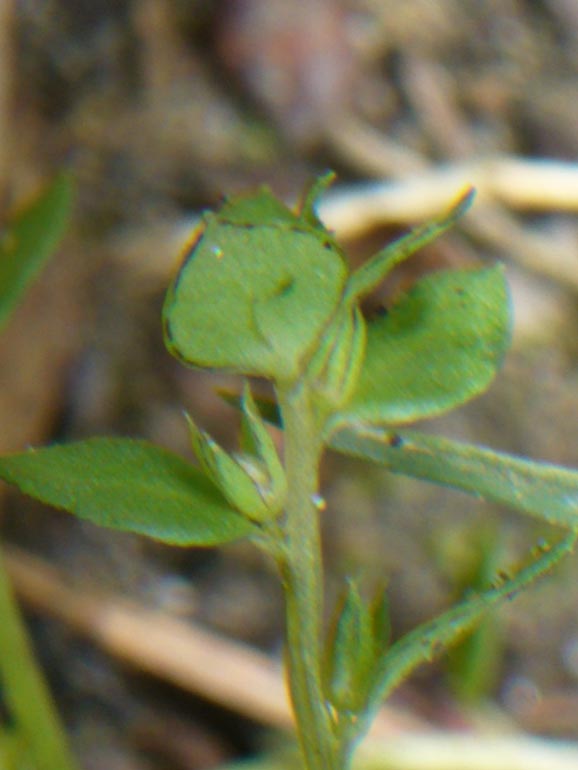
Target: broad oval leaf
[439,346]
[128,485]
[29,238]
[540,489]
[254,298]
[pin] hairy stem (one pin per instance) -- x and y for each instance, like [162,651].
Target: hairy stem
[302,574]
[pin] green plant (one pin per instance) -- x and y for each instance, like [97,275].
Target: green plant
[470,558]
[34,737]
[268,292]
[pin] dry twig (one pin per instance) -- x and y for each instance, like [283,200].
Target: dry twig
[225,672]
[247,681]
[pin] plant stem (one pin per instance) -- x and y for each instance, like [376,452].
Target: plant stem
[25,691]
[302,573]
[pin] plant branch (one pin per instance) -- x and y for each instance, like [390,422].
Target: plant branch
[301,570]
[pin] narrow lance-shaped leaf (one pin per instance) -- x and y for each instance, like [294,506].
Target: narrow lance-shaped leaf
[128,485]
[242,478]
[14,751]
[307,208]
[430,639]
[381,620]
[228,475]
[258,443]
[28,239]
[33,736]
[267,407]
[372,273]
[544,490]
[549,492]
[350,651]
[335,368]
[473,665]
[359,638]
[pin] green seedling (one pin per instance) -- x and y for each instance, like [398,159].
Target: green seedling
[473,665]
[27,240]
[266,291]
[34,738]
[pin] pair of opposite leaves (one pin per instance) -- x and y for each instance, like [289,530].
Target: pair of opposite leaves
[241,303]
[261,286]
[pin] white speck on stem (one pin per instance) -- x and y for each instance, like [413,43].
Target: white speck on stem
[319,502]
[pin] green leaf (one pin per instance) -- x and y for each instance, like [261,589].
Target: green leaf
[429,640]
[336,366]
[372,273]
[350,652]
[228,475]
[356,644]
[14,753]
[439,346]
[34,734]
[128,485]
[257,441]
[29,239]
[256,209]
[255,293]
[307,211]
[381,621]
[268,407]
[474,664]
[543,490]
[242,479]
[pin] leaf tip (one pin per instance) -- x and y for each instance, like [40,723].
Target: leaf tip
[463,202]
